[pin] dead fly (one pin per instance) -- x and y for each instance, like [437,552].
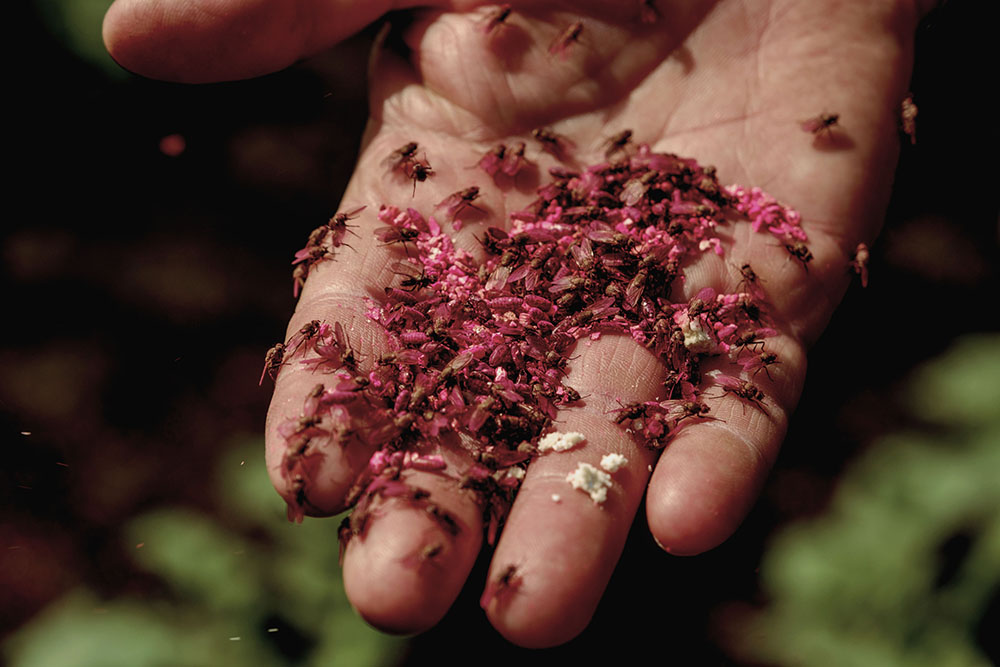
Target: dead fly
[570,395]
[405,357]
[750,310]
[338,223]
[533,414]
[389,235]
[428,554]
[514,161]
[496,19]
[404,160]
[299,275]
[272,362]
[630,411]
[574,284]
[502,587]
[493,160]
[568,37]
[456,365]
[820,124]
[749,282]
[602,308]
[418,171]
[344,535]
[540,255]
[495,241]
[314,251]
[402,156]
[752,340]
[583,254]
[635,288]
[761,362]
[617,143]
[320,399]
[859,263]
[744,389]
[687,410]
[555,145]
[800,251]
[296,509]
[347,356]
[456,202]
[309,331]
[635,188]
[300,458]
[479,415]
[443,519]
[412,277]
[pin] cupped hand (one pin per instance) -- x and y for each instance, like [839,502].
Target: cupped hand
[727,83]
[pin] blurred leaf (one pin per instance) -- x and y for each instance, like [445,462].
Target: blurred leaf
[869,583]
[962,387]
[86,636]
[350,641]
[245,491]
[81,631]
[226,592]
[77,23]
[197,558]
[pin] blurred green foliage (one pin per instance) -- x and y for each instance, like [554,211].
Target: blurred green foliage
[902,567]
[77,24]
[244,588]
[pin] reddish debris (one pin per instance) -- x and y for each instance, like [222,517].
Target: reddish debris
[482,351]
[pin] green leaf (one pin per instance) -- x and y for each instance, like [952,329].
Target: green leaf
[198,558]
[963,386]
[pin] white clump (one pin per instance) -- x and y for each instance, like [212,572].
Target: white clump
[560,442]
[590,480]
[696,339]
[556,498]
[515,472]
[612,462]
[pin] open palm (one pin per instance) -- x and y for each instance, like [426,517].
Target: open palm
[726,83]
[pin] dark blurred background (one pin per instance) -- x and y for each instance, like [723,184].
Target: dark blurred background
[146,270]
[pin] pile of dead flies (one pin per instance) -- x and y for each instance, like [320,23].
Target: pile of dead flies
[481,351]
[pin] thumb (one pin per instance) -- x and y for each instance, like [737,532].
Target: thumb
[218,40]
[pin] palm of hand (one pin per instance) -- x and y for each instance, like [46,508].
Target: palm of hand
[724,83]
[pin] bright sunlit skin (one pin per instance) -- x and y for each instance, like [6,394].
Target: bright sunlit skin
[727,83]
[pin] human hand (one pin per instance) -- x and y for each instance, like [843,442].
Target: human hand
[725,83]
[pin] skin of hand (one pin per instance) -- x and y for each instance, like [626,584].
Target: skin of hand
[727,83]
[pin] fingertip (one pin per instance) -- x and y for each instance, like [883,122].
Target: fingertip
[703,487]
[546,607]
[190,42]
[393,600]
[115,33]
[693,531]
[315,476]
[536,636]
[160,40]
[405,572]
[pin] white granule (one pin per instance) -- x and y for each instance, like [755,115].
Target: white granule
[649,467]
[556,498]
[590,480]
[515,472]
[560,442]
[696,339]
[612,462]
